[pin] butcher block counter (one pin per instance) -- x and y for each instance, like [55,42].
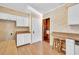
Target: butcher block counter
[64,35]
[21,32]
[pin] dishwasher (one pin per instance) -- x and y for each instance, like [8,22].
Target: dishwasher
[76,47]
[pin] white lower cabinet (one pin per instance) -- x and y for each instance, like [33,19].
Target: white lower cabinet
[70,47]
[23,39]
[76,49]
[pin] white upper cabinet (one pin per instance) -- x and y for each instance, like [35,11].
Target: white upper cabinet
[73,15]
[12,17]
[22,21]
[6,16]
[26,21]
[19,21]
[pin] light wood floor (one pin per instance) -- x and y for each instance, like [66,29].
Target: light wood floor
[9,48]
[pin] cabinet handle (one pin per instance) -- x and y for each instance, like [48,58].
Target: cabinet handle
[11,33]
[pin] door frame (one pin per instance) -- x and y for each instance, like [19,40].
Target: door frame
[43,30]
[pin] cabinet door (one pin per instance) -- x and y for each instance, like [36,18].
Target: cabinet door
[20,39]
[25,21]
[70,47]
[12,17]
[27,38]
[73,15]
[23,39]
[76,49]
[19,21]
[22,21]
[4,16]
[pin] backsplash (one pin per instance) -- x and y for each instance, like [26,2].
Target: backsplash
[22,29]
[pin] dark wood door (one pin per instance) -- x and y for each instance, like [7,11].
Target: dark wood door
[46,29]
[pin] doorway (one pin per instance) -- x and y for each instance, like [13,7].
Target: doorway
[7,30]
[46,30]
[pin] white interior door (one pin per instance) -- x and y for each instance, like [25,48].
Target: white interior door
[36,29]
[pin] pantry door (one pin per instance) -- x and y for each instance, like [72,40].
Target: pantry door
[36,29]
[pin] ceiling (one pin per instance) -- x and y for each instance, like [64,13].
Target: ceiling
[40,7]
[44,7]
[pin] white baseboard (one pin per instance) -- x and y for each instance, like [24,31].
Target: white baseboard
[35,41]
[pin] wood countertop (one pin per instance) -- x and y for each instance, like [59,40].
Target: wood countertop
[21,32]
[64,35]
[67,33]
